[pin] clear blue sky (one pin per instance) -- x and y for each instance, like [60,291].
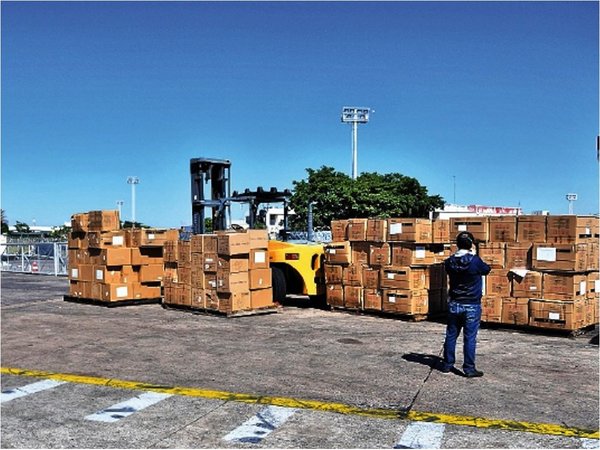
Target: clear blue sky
[502,95]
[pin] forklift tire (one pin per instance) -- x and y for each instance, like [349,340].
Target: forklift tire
[279,284]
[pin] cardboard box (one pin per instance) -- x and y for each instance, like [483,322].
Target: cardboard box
[232,282]
[77,256]
[339,230]
[198,299]
[402,278]
[143,237]
[115,274]
[556,314]
[80,222]
[144,291]
[170,272]
[491,309]
[184,253]
[112,292]
[185,294]
[593,286]
[151,272]
[81,272]
[477,226]
[109,239]
[410,302]
[497,283]
[379,254]
[232,302]
[571,229]
[564,286]
[568,257]
[171,251]
[353,297]
[210,281]
[529,286]
[232,263]
[103,220]
[77,240]
[360,252]
[233,243]
[370,278]
[357,229]
[258,238]
[261,298]
[147,255]
[376,230]
[503,229]
[203,243]
[411,254]
[493,253]
[518,256]
[515,311]
[593,258]
[259,278]
[185,276]
[372,300]
[353,275]
[211,261]
[76,288]
[531,229]
[440,252]
[441,231]
[590,317]
[259,258]
[335,295]
[333,273]
[338,252]
[410,230]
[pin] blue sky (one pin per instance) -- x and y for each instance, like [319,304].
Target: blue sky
[504,96]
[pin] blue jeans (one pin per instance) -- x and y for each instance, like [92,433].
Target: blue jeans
[467,316]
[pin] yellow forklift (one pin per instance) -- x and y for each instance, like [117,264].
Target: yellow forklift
[297,267]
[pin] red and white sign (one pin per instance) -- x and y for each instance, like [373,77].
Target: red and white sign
[481,209]
[34,267]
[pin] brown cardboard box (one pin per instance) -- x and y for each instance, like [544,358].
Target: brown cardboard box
[353,297]
[370,278]
[531,228]
[76,288]
[515,311]
[232,282]
[261,298]
[339,230]
[376,230]
[410,230]
[170,272]
[529,286]
[491,309]
[402,278]
[203,243]
[77,256]
[147,255]
[493,253]
[379,254]
[352,275]
[564,286]
[372,300]
[233,263]
[82,272]
[198,299]
[171,251]
[557,314]
[518,256]
[593,258]
[335,295]
[503,229]
[360,252]
[143,237]
[184,253]
[80,222]
[497,283]
[405,301]
[572,257]
[357,230]
[571,229]
[441,252]
[103,221]
[210,263]
[259,278]
[589,312]
[258,238]
[112,292]
[477,226]
[185,276]
[259,258]
[109,239]
[233,243]
[338,252]
[593,285]
[151,272]
[232,302]
[144,291]
[441,231]
[408,254]
[115,274]
[185,294]
[77,240]
[210,281]
[333,273]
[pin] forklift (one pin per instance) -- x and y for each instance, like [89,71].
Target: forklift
[297,268]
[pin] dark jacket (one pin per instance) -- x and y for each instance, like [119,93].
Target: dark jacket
[464,272]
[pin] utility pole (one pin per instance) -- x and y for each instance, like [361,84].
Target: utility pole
[355,115]
[120,206]
[133,181]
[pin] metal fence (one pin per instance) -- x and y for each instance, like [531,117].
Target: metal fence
[48,258]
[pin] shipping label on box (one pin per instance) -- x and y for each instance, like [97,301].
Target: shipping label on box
[116,291]
[109,274]
[82,272]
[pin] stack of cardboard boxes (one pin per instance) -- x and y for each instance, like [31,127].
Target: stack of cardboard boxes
[222,272]
[544,269]
[110,264]
[387,265]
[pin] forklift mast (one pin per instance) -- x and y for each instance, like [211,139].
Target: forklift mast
[216,197]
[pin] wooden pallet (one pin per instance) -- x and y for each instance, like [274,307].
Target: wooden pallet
[539,330]
[390,315]
[96,302]
[213,312]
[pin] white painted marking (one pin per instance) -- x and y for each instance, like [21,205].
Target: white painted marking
[128,407]
[256,428]
[422,435]
[32,388]
[590,443]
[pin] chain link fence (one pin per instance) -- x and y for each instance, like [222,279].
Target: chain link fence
[48,258]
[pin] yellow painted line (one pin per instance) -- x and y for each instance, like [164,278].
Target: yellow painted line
[340,408]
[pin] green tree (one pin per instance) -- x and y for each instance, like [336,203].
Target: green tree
[130,224]
[4,222]
[21,227]
[61,232]
[337,196]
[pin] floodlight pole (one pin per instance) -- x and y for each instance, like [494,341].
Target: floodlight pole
[120,206]
[354,116]
[133,181]
[571,198]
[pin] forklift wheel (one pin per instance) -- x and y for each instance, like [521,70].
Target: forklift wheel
[279,284]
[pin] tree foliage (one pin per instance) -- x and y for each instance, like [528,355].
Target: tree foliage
[335,195]
[21,227]
[4,222]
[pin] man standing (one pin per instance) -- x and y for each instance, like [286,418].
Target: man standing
[464,270]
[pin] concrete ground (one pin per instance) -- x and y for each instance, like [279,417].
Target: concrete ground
[300,353]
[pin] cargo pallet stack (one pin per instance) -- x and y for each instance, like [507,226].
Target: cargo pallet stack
[111,265]
[224,273]
[390,266]
[544,269]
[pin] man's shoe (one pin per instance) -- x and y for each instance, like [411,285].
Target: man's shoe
[446,369]
[474,374]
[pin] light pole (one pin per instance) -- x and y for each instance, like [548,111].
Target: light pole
[120,207]
[571,198]
[133,181]
[355,115]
